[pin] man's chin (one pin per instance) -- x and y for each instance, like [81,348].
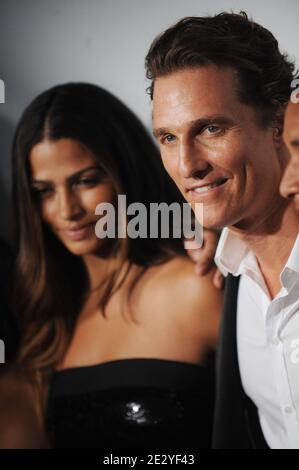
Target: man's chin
[214,223]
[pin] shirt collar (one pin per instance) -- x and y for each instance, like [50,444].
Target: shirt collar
[293,261]
[290,273]
[233,256]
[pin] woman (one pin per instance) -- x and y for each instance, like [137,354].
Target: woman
[117,333]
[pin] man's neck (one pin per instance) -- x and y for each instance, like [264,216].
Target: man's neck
[272,245]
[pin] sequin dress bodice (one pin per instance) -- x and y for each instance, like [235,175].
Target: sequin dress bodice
[132,403]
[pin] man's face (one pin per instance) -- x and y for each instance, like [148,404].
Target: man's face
[214,149]
[290,182]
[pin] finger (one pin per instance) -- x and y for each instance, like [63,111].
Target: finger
[193,244]
[205,255]
[218,280]
[193,250]
[197,256]
[202,269]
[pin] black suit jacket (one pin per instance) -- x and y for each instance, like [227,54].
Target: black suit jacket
[236,423]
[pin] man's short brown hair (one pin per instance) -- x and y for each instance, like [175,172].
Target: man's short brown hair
[227,39]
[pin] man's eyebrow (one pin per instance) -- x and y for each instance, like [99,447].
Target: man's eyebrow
[70,178]
[197,124]
[159,131]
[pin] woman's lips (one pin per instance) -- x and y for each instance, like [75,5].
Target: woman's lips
[79,234]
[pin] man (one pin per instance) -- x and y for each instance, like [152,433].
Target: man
[219,85]
[289,187]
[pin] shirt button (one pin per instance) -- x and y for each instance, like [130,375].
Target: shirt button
[288,410]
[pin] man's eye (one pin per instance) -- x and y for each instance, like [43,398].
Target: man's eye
[213,129]
[168,138]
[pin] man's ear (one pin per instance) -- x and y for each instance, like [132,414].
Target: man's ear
[277,130]
[277,134]
[278,125]
[278,140]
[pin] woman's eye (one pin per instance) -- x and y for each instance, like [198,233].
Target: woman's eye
[41,192]
[168,138]
[88,181]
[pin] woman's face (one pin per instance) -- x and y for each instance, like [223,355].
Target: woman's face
[69,185]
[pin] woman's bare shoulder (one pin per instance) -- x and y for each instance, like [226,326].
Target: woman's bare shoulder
[180,272]
[190,300]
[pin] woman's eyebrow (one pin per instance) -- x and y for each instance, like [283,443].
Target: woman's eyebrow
[70,178]
[77,175]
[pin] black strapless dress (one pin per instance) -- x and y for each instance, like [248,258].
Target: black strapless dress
[132,404]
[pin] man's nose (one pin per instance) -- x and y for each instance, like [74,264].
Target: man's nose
[289,185]
[69,205]
[191,160]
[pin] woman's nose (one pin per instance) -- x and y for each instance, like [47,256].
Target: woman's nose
[69,205]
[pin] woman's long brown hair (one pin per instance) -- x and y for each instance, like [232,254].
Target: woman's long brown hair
[51,284]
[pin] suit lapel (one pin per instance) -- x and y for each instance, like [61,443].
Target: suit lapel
[236,424]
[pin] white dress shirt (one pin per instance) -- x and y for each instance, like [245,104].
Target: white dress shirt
[267,339]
